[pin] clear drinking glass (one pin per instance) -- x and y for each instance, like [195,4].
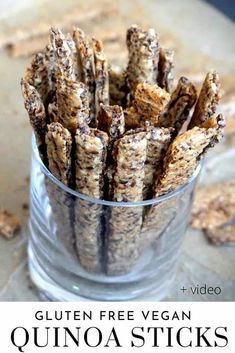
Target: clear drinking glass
[103,250]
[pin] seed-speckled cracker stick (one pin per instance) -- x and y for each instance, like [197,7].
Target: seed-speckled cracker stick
[52,111]
[64,55]
[182,100]
[111,120]
[73,104]
[143,48]
[91,149]
[183,155]
[221,235]
[59,146]
[117,87]
[101,75]
[179,164]
[208,99]
[37,115]
[125,222]
[165,77]
[150,100]
[37,75]
[75,58]
[86,62]
[158,142]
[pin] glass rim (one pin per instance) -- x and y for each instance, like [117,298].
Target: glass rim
[113,203]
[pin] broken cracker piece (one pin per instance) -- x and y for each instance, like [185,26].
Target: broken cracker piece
[35,108]
[183,154]
[73,104]
[37,75]
[91,149]
[208,99]
[158,141]
[9,224]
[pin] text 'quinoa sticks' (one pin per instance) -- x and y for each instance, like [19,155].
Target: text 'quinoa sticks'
[116,134]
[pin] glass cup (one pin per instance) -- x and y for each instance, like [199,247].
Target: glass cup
[102,250]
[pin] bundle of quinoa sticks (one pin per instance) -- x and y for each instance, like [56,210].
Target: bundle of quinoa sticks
[123,135]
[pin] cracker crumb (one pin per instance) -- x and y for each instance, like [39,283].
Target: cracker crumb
[9,224]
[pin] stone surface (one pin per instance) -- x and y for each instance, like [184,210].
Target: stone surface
[203,38]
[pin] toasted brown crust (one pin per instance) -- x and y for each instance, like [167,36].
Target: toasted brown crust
[182,100]
[130,158]
[165,77]
[222,235]
[101,75]
[183,155]
[150,100]
[158,141]
[9,224]
[37,75]
[111,120]
[133,119]
[86,62]
[117,87]
[214,205]
[208,99]
[73,104]
[143,48]
[35,108]
[59,146]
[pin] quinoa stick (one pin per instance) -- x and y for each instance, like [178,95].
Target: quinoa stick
[208,99]
[101,75]
[182,100]
[179,165]
[86,63]
[143,49]
[125,222]
[37,115]
[90,162]
[59,146]
[150,100]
